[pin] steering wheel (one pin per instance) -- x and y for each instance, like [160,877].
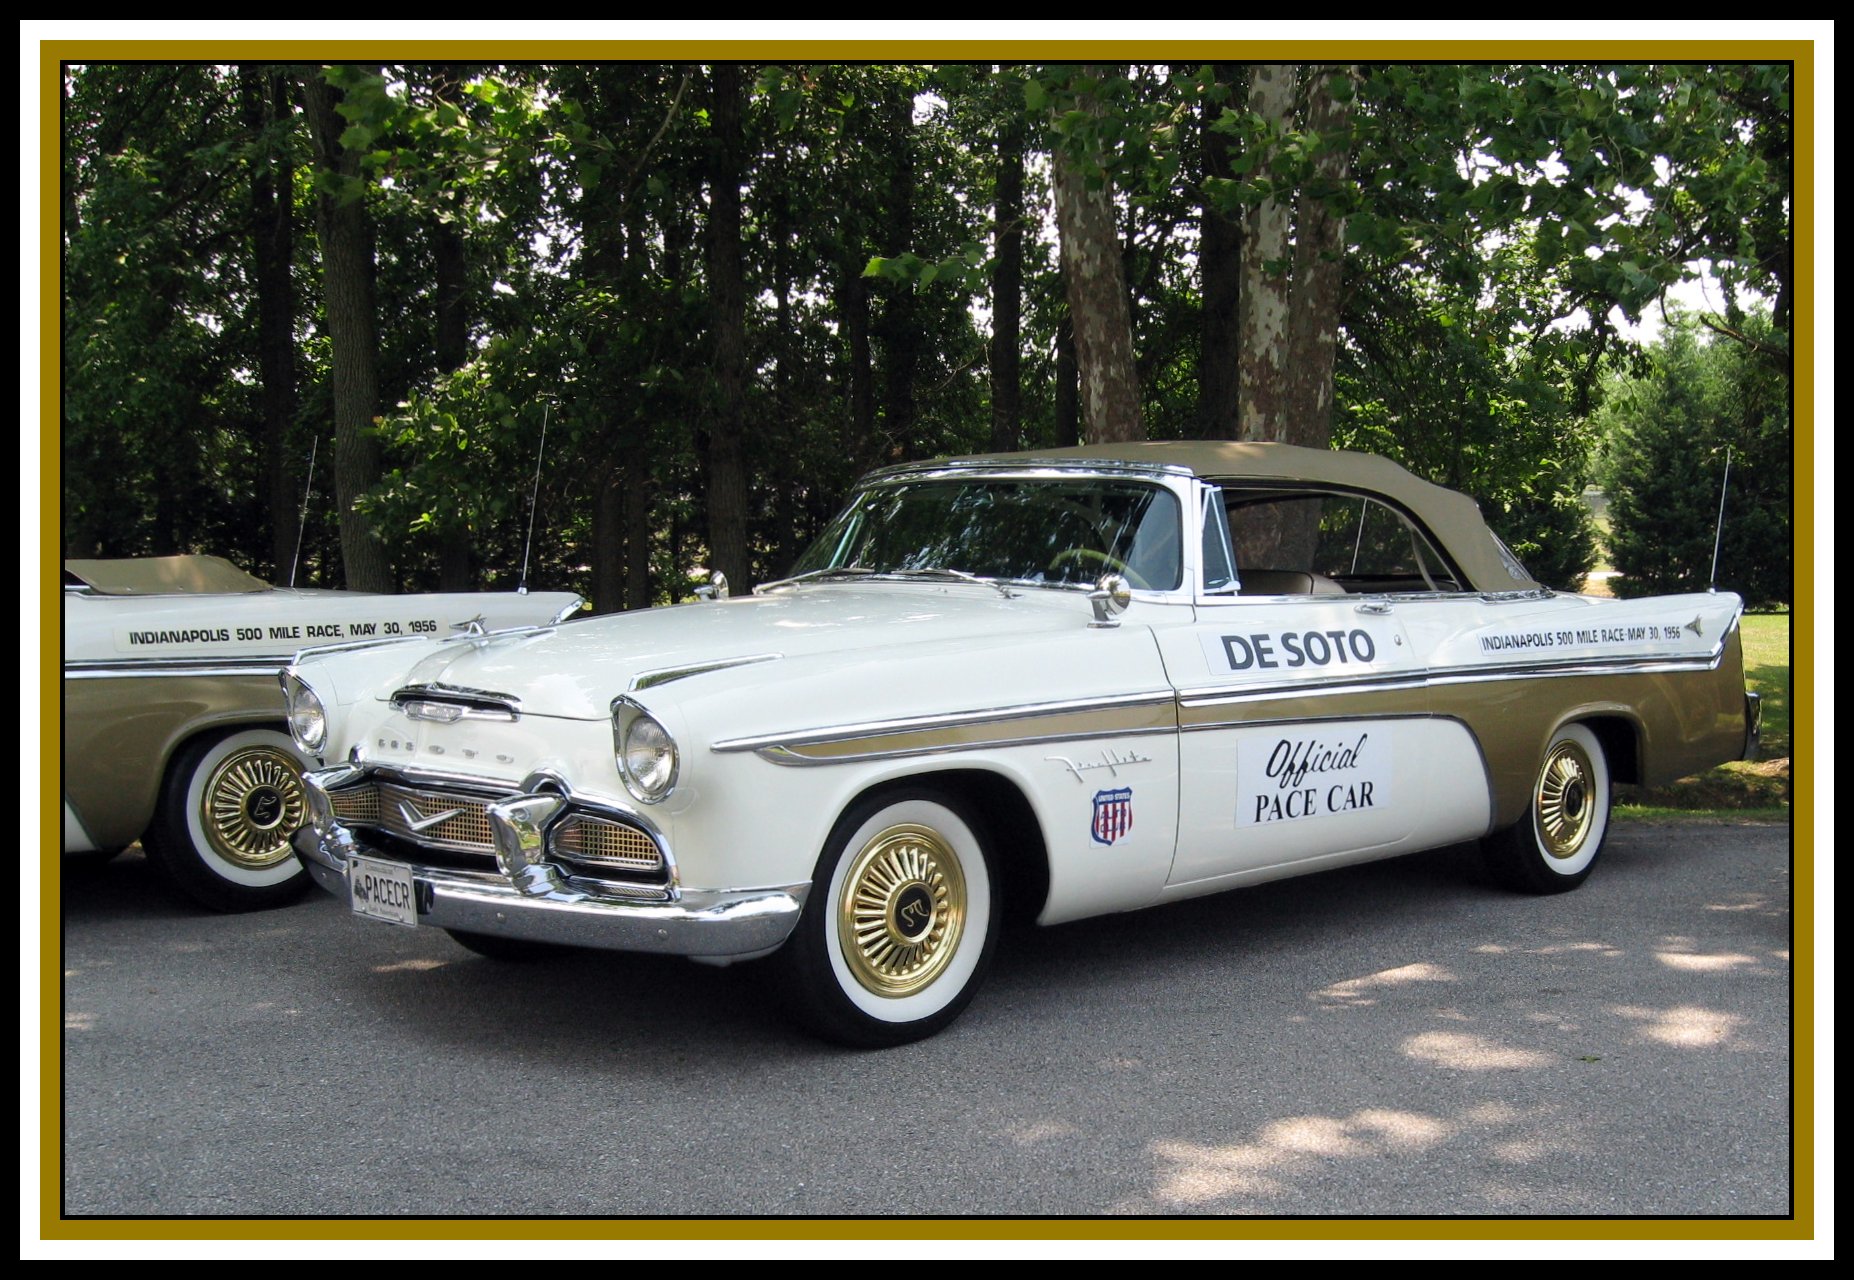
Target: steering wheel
[1104,562]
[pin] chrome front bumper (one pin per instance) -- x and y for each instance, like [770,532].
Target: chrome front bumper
[528,898]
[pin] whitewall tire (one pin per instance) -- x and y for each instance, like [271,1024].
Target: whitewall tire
[221,830]
[900,924]
[1555,846]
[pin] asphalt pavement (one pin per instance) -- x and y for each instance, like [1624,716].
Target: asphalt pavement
[1397,1039]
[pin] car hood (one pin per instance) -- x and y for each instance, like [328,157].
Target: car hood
[575,670]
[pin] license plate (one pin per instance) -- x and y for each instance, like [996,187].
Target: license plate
[381,891]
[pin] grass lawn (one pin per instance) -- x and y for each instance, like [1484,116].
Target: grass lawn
[1743,788]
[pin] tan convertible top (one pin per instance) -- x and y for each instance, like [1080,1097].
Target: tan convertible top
[1453,518]
[165,576]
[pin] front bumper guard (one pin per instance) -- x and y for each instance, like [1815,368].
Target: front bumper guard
[530,899]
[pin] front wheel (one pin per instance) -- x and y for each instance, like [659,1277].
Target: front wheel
[222,826]
[900,924]
[1555,846]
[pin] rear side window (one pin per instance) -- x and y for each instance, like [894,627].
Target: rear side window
[1344,541]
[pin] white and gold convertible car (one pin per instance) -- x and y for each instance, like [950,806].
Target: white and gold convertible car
[1069,683]
[174,730]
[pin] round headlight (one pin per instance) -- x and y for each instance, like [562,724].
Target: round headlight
[646,755]
[308,722]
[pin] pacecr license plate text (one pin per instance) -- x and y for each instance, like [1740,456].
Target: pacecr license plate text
[381,890]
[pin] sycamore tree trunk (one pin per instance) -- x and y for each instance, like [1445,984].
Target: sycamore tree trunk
[1319,268]
[1068,386]
[1291,292]
[727,481]
[1265,280]
[265,97]
[1096,281]
[346,235]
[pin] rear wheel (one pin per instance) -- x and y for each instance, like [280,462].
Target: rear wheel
[1555,846]
[222,827]
[900,923]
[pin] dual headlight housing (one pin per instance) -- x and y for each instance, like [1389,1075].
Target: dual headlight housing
[647,759]
[308,719]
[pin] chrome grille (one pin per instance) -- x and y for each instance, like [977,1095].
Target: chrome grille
[356,806]
[466,831]
[406,812]
[590,844]
[602,843]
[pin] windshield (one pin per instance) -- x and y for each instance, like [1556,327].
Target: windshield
[1054,532]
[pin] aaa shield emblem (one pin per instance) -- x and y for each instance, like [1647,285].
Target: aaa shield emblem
[1113,814]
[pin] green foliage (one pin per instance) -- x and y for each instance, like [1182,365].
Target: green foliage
[1495,218]
[1668,431]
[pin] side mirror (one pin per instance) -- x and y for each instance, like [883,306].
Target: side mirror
[1110,598]
[716,588]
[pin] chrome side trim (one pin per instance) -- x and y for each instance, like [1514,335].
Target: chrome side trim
[117,668]
[1578,667]
[484,638]
[1449,676]
[663,675]
[1306,689]
[955,720]
[790,757]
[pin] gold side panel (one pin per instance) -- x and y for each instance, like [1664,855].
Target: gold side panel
[1087,722]
[1672,723]
[120,732]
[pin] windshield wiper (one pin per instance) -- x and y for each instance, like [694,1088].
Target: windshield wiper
[819,575]
[954,575]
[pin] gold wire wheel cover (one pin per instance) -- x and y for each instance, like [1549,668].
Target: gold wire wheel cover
[251,804]
[1566,799]
[902,910]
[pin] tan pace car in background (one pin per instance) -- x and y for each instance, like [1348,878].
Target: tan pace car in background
[1071,682]
[174,728]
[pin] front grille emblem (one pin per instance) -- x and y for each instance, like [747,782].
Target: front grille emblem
[416,821]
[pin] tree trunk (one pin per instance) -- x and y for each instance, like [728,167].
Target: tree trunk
[608,538]
[1319,268]
[1097,289]
[727,481]
[265,93]
[900,326]
[1265,266]
[637,531]
[1007,289]
[1219,258]
[346,234]
[456,561]
[1068,387]
[853,311]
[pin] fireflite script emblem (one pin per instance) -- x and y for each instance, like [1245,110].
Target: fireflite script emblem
[1113,814]
[1111,760]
